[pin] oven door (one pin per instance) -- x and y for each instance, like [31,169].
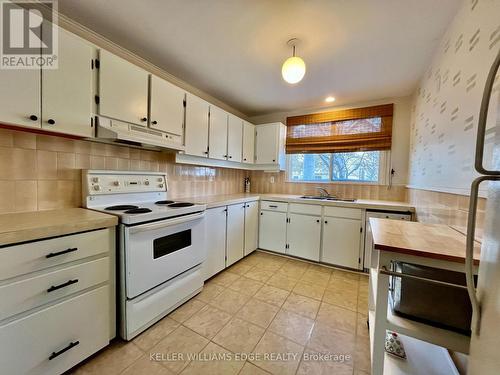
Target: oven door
[157,252]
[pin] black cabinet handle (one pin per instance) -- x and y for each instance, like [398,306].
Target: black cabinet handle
[63,285]
[154,122]
[144,119]
[261,213]
[244,159]
[205,152]
[274,160]
[230,157]
[51,121]
[70,346]
[326,222]
[70,250]
[273,206]
[33,117]
[225,156]
[317,221]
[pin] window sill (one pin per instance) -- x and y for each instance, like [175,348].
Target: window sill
[337,182]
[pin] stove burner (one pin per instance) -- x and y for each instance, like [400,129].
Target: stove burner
[180,204]
[141,210]
[164,202]
[121,207]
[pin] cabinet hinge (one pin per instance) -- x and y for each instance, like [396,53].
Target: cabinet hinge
[97,64]
[97,99]
[361,230]
[287,246]
[184,103]
[91,122]
[359,260]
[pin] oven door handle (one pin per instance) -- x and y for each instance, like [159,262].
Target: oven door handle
[166,223]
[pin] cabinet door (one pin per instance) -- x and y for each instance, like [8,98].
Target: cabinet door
[341,241]
[272,231]
[304,236]
[235,233]
[234,138]
[123,90]
[217,138]
[67,90]
[251,226]
[196,137]
[248,142]
[266,147]
[167,106]
[215,262]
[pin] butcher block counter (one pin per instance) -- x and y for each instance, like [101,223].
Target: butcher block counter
[28,226]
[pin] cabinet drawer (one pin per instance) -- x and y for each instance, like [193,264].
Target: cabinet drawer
[21,259]
[308,209]
[36,344]
[274,206]
[35,291]
[349,213]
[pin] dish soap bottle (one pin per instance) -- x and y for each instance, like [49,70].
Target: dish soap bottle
[247,184]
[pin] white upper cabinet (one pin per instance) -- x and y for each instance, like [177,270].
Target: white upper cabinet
[218,134]
[234,138]
[248,142]
[196,135]
[270,144]
[123,90]
[166,106]
[67,90]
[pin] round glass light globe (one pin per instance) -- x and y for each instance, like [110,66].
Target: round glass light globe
[293,69]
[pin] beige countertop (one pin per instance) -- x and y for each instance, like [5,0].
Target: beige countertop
[28,226]
[221,200]
[435,241]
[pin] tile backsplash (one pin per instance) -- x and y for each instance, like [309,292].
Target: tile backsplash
[41,172]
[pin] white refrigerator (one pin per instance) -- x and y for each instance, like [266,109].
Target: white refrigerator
[484,356]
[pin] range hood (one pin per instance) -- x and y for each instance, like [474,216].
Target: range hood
[114,131]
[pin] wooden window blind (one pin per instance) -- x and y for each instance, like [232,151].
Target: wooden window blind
[348,130]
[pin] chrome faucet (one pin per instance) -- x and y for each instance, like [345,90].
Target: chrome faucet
[323,191]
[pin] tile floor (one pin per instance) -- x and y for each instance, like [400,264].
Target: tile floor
[264,305]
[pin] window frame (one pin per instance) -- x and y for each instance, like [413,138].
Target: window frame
[383,172]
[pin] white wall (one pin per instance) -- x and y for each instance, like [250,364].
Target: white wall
[446,105]
[400,129]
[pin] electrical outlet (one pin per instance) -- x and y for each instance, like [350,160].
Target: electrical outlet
[271,179]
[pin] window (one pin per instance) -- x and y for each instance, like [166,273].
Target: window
[363,166]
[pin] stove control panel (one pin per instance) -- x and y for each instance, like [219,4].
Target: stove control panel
[101,183]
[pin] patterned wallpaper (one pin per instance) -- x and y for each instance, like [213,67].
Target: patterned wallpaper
[446,105]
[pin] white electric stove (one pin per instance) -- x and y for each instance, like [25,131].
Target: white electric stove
[160,244]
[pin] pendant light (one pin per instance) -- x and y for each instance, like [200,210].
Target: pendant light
[294,67]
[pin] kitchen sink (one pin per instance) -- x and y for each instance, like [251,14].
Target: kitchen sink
[323,198]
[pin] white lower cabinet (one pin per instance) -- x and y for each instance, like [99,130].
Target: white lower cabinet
[272,231]
[303,236]
[60,307]
[215,241]
[235,233]
[251,226]
[342,241]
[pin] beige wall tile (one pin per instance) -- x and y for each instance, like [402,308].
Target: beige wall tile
[46,165]
[7,204]
[54,143]
[46,191]
[25,195]
[66,169]
[6,138]
[24,140]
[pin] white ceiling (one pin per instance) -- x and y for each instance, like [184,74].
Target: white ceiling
[355,50]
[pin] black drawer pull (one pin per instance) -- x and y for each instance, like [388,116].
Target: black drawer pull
[67,283]
[70,250]
[273,206]
[70,346]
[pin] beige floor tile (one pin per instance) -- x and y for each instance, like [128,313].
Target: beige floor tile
[246,286]
[250,260]
[259,274]
[251,369]
[337,317]
[362,357]
[239,336]
[258,312]
[272,295]
[187,310]
[302,305]
[173,350]
[282,282]
[144,366]
[229,301]
[209,364]
[362,327]
[154,334]
[111,360]
[320,268]
[363,303]
[274,344]
[311,364]
[343,284]
[309,290]
[225,278]
[328,339]
[292,326]
[269,265]
[346,275]
[208,321]
[210,291]
[292,271]
[240,268]
[316,278]
[346,298]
